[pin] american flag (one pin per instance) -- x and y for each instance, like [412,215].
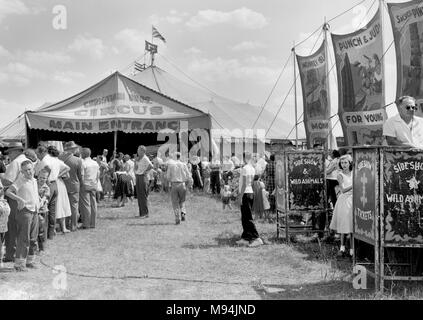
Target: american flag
[156,34]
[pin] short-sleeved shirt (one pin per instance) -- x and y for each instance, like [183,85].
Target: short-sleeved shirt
[91,173]
[13,170]
[143,165]
[397,128]
[249,172]
[27,189]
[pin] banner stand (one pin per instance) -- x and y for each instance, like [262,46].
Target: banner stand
[301,198]
[388,213]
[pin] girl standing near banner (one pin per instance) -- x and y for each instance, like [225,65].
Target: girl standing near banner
[342,220]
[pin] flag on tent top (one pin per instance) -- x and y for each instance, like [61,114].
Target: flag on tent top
[156,34]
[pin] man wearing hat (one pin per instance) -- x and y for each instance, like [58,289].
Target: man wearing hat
[73,182]
[15,152]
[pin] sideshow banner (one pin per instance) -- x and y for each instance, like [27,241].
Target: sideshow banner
[365,189]
[313,74]
[306,181]
[361,96]
[407,25]
[403,197]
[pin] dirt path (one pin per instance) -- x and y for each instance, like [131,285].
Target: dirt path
[130,258]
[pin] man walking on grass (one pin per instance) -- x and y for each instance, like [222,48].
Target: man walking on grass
[177,173]
[142,166]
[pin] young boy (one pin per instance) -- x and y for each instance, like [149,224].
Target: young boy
[226,196]
[44,197]
[25,192]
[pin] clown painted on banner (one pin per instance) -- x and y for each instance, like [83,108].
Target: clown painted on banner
[407,25]
[360,83]
[314,85]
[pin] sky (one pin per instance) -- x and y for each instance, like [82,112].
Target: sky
[236,48]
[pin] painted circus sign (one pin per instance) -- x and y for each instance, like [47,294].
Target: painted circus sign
[107,125]
[306,181]
[365,188]
[403,196]
[359,66]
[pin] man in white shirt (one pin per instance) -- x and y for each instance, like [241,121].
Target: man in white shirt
[404,129]
[261,164]
[88,201]
[13,171]
[250,235]
[177,174]
[142,166]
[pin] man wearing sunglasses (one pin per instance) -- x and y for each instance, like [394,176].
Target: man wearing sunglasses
[404,129]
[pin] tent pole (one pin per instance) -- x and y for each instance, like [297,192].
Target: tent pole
[26,132]
[328,143]
[115,140]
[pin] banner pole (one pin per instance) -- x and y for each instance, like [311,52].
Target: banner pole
[328,143]
[382,60]
[295,97]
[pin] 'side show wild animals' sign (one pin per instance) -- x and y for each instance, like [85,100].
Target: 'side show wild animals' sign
[306,181]
[403,195]
[365,188]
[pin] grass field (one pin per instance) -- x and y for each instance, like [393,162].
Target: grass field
[130,258]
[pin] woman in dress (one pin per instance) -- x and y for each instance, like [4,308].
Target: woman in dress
[124,186]
[60,171]
[342,220]
[195,171]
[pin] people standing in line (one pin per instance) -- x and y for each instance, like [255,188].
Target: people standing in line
[249,236]
[25,192]
[13,171]
[88,201]
[142,166]
[342,219]
[45,160]
[73,183]
[178,174]
[60,171]
[404,129]
[44,196]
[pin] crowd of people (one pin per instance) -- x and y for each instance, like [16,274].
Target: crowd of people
[44,191]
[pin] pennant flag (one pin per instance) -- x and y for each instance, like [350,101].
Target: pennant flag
[361,97]
[139,67]
[152,48]
[407,24]
[316,100]
[156,34]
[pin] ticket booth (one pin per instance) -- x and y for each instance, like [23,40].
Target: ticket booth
[388,213]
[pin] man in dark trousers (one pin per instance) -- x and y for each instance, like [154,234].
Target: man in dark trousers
[74,181]
[142,166]
[15,152]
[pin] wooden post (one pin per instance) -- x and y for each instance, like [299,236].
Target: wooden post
[115,140]
[380,239]
[295,97]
